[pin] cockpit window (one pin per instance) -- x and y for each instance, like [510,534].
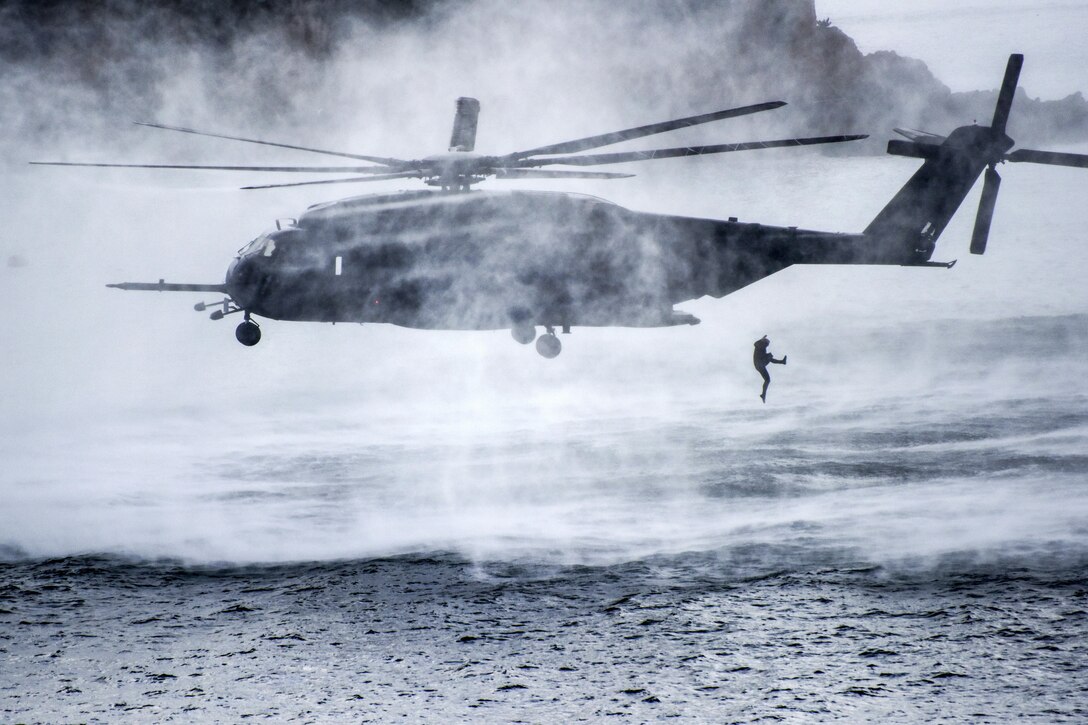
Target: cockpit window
[263,244]
[252,246]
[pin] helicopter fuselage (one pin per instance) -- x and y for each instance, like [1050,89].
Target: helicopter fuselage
[482,260]
[491,260]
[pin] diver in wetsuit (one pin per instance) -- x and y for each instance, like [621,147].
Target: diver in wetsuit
[760,358]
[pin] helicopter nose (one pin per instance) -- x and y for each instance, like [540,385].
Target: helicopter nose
[243,281]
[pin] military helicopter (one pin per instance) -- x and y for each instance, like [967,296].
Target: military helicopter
[461,259]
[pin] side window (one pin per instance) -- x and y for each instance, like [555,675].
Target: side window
[284,242]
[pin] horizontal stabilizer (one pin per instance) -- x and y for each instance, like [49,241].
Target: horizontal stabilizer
[920,136]
[162,286]
[913,149]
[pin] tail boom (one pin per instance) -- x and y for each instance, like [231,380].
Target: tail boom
[908,227]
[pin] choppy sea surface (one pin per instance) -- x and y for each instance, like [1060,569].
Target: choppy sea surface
[899,535]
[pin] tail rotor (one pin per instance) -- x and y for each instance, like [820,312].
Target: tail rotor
[997,152]
[999,144]
[907,228]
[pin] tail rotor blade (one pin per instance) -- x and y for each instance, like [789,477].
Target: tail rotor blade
[1008,90]
[981,234]
[1049,157]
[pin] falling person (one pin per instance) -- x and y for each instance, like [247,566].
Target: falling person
[760,358]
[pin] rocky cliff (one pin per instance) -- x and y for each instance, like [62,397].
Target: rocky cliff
[119,59]
[840,87]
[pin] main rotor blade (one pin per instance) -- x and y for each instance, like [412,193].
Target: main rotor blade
[606,139]
[376,159]
[379,177]
[617,158]
[1008,90]
[314,169]
[519,173]
[986,204]
[1049,157]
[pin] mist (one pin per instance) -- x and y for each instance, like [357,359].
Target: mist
[924,413]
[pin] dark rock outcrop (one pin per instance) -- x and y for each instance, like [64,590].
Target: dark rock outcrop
[110,59]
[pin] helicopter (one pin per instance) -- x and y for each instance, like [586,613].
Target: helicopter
[455,258]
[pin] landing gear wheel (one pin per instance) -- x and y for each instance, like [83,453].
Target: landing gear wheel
[248,333]
[548,345]
[524,334]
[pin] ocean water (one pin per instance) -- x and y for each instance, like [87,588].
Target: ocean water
[899,537]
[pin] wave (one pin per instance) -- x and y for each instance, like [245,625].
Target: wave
[915,471]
